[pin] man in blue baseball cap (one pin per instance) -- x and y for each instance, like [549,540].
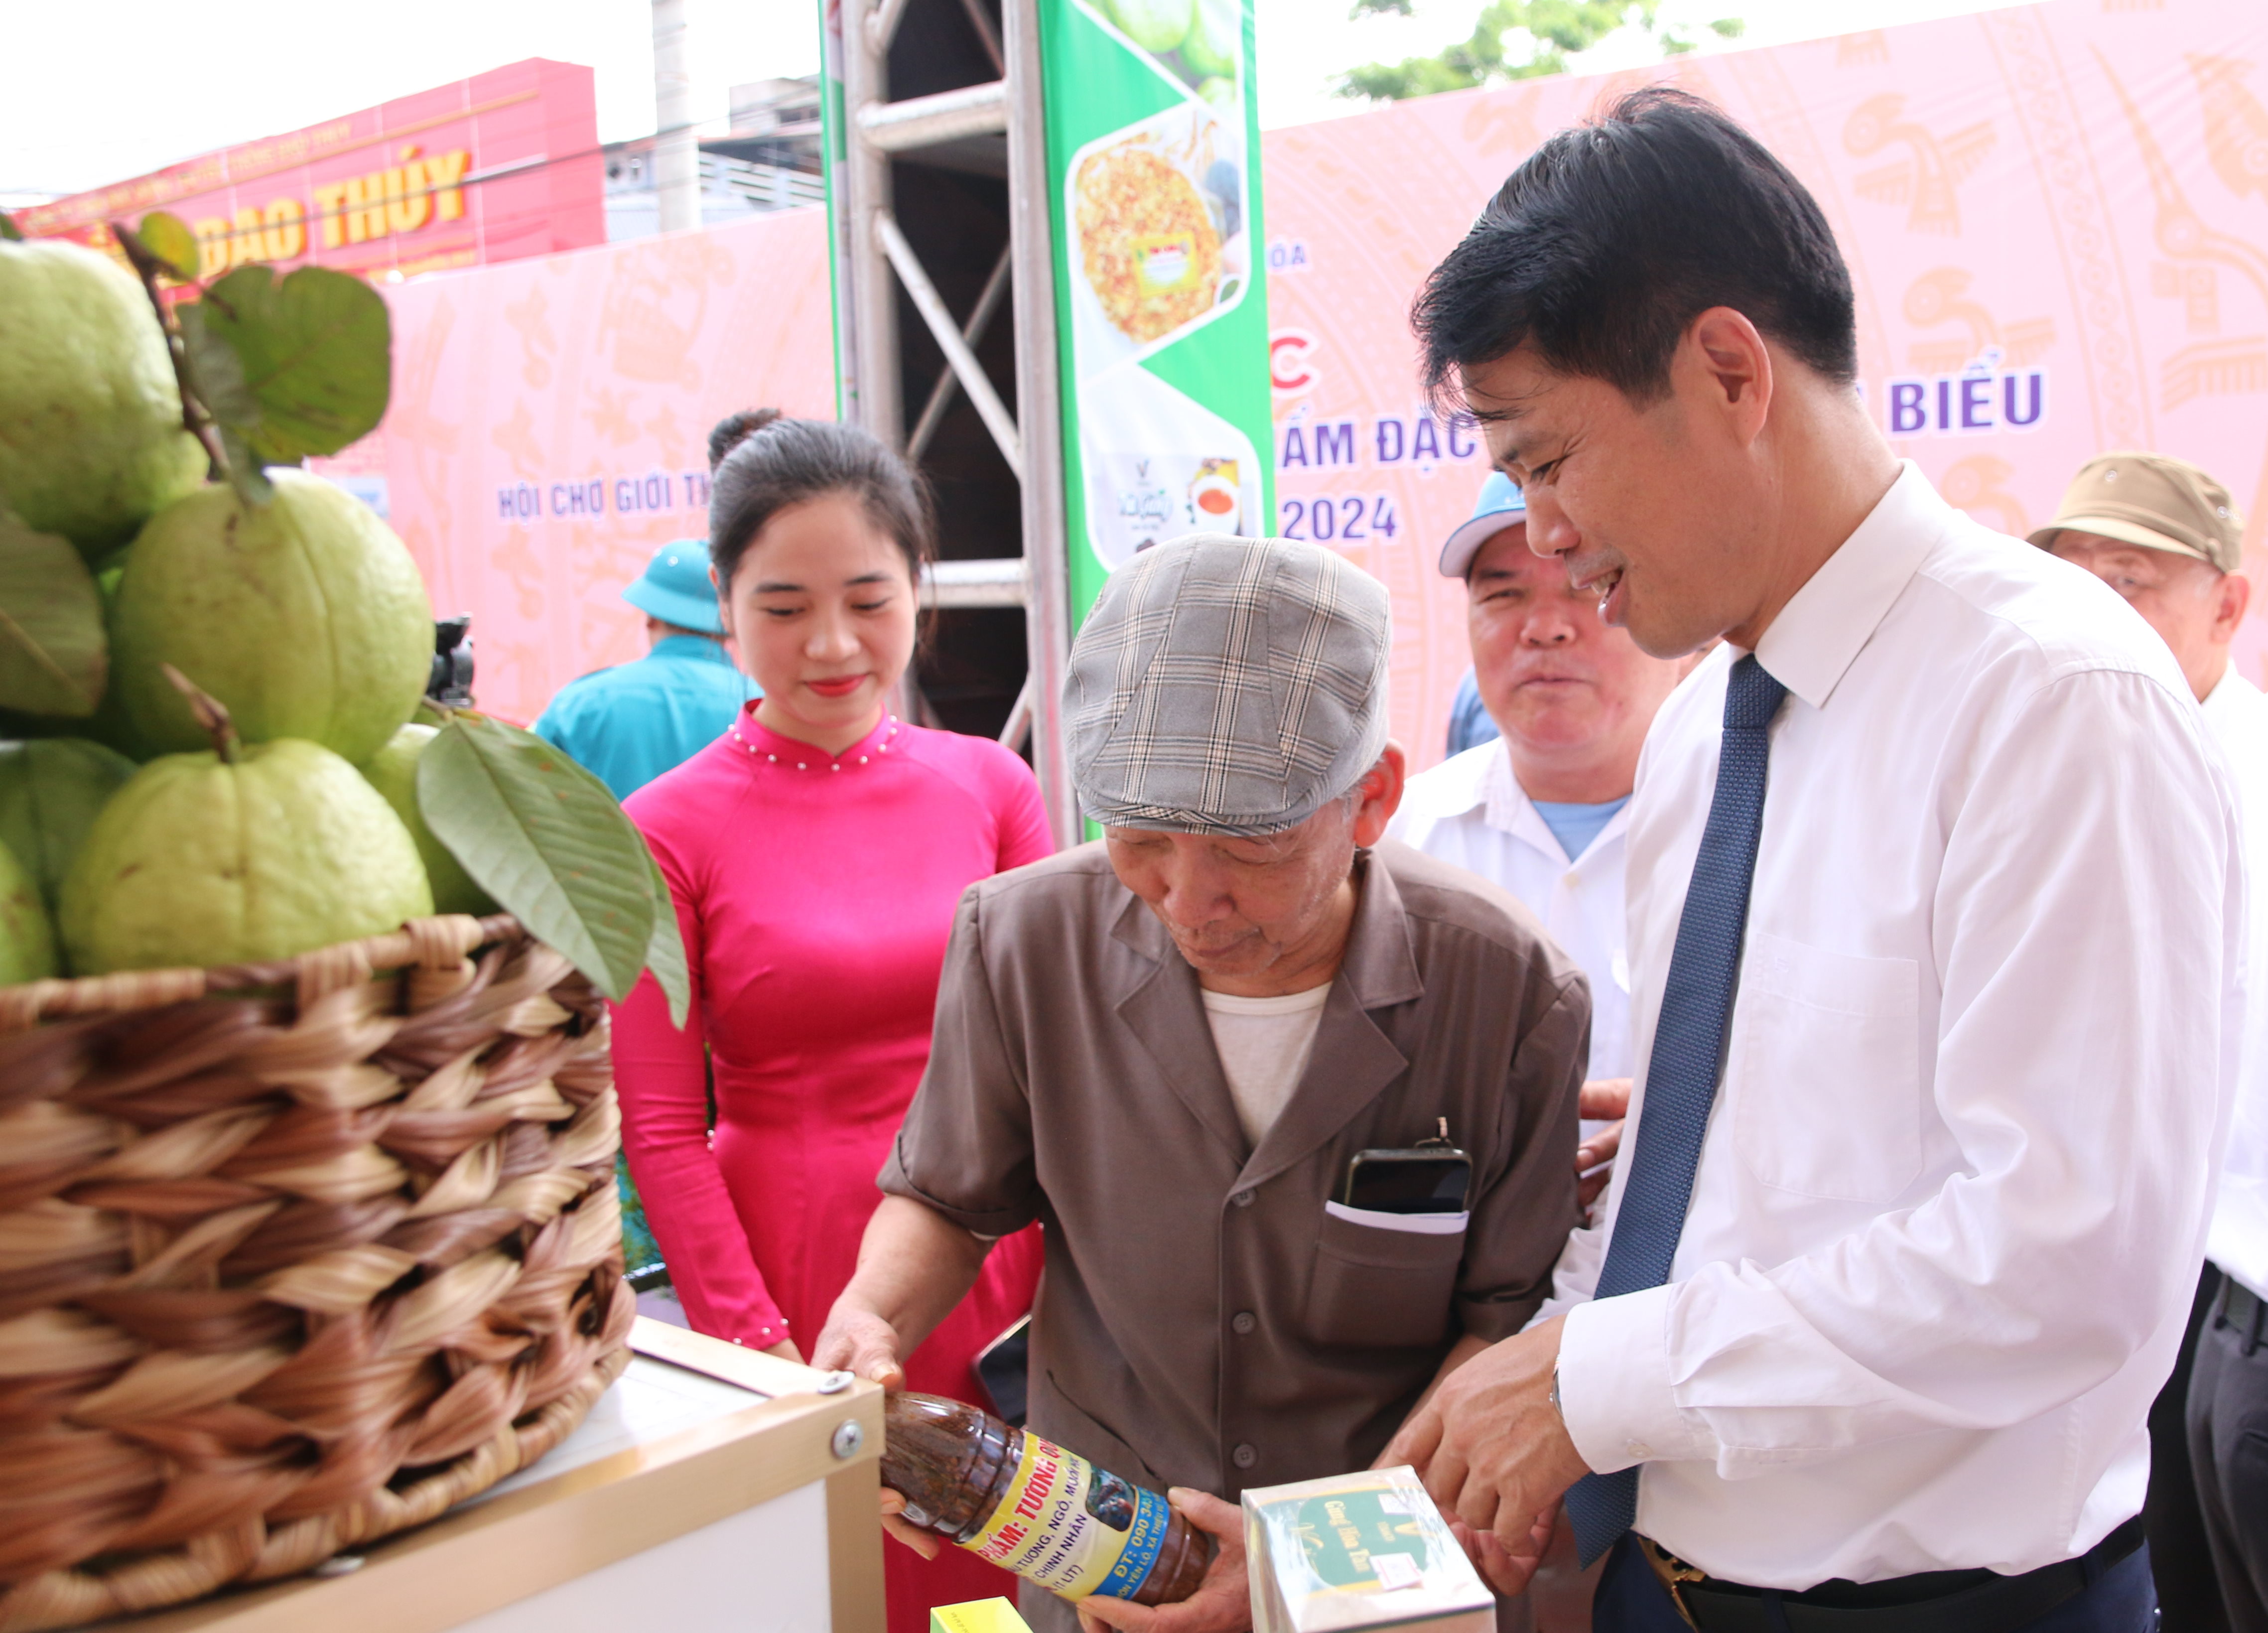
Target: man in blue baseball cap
[1500,504]
[1535,806]
[628,724]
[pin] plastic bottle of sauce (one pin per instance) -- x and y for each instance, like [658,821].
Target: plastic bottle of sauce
[1031,1507]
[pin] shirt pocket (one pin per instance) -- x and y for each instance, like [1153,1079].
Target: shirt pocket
[1382,1288]
[1070,1426]
[1826,1086]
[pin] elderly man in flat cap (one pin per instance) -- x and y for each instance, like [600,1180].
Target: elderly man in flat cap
[1181,1048]
[2168,538]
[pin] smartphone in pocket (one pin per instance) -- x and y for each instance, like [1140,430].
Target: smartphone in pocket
[1005,1368]
[1418,1178]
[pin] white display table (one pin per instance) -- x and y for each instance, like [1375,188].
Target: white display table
[712,1489]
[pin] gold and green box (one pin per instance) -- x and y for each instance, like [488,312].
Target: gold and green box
[1356,1552]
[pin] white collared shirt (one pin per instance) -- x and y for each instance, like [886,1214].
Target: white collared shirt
[1469,810]
[2238,1239]
[1953,1197]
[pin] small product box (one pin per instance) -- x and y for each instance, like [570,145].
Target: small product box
[979,1615]
[1359,1551]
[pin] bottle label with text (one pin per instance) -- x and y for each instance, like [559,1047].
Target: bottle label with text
[1075,1529]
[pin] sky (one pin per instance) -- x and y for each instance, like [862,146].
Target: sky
[127,86]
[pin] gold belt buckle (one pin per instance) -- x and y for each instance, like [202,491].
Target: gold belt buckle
[1672,1571]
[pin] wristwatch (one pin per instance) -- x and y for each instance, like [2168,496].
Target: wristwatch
[1555,1396]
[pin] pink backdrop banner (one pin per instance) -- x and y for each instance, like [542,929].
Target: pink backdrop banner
[550,420]
[2056,217]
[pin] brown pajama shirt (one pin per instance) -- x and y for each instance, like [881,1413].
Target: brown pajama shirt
[1202,1320]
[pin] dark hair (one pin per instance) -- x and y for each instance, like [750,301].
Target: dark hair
[771,462]
[1612,236]
[727,432]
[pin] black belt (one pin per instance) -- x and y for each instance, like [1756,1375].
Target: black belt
[1942,1601]
[2241,1308]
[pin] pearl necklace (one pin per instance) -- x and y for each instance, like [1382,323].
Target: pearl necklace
[883,747]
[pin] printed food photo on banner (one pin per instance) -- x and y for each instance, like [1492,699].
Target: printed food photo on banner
[1160,212]
[1158,215]
[1159,208]
[1159,465]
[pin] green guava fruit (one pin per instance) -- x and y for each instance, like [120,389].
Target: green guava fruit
[27,941]
[305,616]
[91,437]
[51,790]
[1209,49]
[393,771]
[201,860]
[1154,24]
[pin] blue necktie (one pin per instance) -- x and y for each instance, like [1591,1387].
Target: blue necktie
[1689,1053]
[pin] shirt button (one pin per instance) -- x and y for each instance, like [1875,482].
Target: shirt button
[1570,880]
[1244,1457]
[1637,1449]
[1243,1321]
[1242,1199]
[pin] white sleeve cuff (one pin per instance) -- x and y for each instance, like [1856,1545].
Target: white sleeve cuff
[1615,1388]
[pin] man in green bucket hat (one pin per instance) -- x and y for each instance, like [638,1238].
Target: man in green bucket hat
[628,724]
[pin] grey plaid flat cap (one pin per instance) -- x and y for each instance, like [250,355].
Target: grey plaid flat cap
[1226,686]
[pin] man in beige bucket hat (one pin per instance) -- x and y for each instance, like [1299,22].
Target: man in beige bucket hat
[2166,536]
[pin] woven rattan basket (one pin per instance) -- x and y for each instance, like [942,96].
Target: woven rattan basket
[292,1257]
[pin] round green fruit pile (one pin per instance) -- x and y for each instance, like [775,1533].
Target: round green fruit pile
[199,861]
[393,771]
[51,790]
[91,434]
[27,943]
[305,617]
[276,809]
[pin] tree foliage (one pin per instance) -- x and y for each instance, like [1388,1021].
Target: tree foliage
[1516,39]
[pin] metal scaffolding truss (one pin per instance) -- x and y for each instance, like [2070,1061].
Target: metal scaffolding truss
[963,127]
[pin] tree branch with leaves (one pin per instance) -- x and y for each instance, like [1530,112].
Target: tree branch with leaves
[1517,39]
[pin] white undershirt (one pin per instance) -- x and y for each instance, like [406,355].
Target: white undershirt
[1263,1044]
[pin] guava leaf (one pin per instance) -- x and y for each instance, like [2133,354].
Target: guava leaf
[171,244]
[290,366]
[9,230]
[664,951]
[546,839]
[216,374]
[54,656]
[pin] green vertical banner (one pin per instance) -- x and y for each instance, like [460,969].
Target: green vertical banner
[833,153]
[1161,301]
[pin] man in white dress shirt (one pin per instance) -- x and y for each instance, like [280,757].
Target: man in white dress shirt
[2167,538]
[1935,899]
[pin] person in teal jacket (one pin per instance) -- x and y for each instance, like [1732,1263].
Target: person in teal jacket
[628,724]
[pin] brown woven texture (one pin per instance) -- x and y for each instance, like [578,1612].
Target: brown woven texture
[292,1257]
